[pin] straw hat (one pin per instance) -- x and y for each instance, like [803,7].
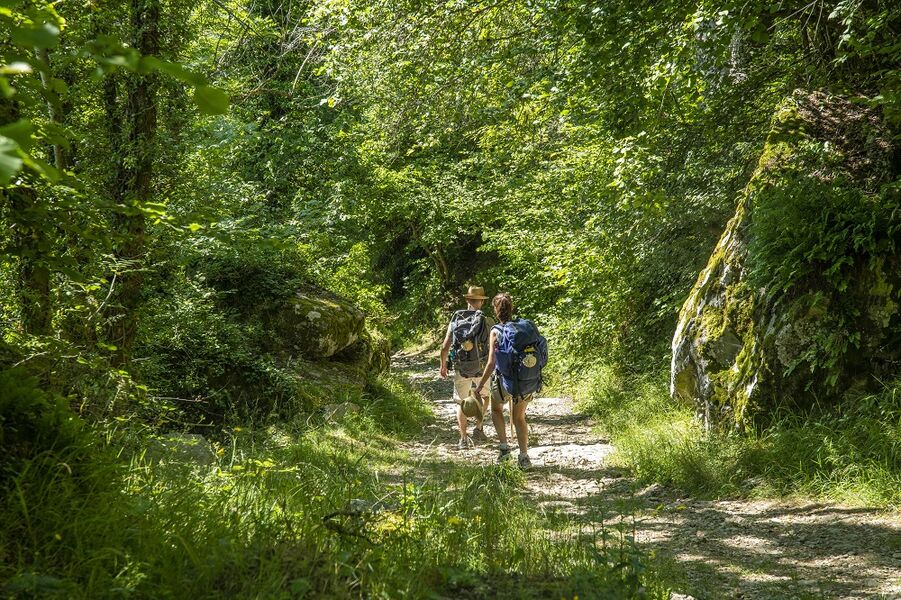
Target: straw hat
[475,293]
[472,406]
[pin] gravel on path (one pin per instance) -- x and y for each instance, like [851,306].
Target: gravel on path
[753,549]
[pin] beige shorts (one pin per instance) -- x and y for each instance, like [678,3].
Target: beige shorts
[463,385]
[500,397]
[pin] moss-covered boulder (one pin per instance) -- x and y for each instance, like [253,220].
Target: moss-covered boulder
[799,302]
[371,354]
[314,324]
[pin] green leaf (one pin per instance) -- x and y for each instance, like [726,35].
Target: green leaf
[10,161]
[15,68]
[761,36]
[175,70]
[45,35]
[42,167]
[19,131]
[6,90]
[211,100]
[55,133]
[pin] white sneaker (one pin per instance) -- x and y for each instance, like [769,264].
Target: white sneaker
[464,443]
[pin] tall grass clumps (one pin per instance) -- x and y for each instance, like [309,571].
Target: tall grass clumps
[848,453]
[297,509]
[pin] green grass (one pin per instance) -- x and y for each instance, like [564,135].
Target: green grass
[277,517]
[850,453]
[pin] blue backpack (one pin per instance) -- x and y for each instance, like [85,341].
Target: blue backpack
[520,355]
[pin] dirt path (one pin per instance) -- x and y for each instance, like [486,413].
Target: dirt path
[725,548]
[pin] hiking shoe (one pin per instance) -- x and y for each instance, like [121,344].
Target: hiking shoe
[503,455]
[478,434]
[464,443]
[524,461]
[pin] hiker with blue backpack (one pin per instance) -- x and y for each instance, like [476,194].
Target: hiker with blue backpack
[516,355]
[465,348]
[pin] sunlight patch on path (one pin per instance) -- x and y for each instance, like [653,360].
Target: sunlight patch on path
[748,549]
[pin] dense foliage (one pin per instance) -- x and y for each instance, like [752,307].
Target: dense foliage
[584,157]
[173,173]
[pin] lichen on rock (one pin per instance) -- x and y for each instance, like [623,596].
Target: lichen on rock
[800,298]
[314,324]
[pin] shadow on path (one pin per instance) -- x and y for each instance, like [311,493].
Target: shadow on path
[750,549]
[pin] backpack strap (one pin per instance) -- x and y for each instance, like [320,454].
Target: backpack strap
[476,341]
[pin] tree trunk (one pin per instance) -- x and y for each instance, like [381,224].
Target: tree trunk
[132,184]
[54,109]
[437,256]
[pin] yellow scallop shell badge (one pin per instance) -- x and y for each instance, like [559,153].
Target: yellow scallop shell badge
[467,345]
[529,361]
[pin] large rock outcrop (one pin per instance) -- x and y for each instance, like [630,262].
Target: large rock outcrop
[314,324]
[371,354]
[799,301]
[314,349]
[324,339]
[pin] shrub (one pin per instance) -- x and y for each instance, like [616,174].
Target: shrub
[848,452]
[34,423]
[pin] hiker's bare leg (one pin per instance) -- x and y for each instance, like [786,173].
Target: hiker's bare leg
[480,421]
[497,417]
[461,421]
[462,385]
[522,430]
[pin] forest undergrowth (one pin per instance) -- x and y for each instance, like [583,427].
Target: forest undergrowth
[847,453]
[299,509]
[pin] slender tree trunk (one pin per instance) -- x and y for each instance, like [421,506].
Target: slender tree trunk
[436,255]
[54,110]
[132,185]
[443,268]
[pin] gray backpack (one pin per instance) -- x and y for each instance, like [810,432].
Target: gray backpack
[470,342]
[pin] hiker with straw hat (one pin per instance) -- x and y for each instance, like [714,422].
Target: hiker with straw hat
[466,345]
